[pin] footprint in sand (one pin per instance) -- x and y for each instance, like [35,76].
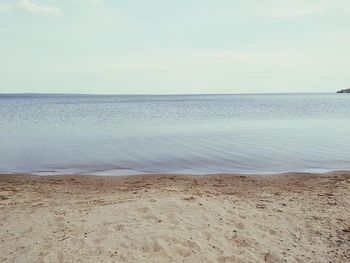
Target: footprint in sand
[270,257]
[182,251]
[193,245]
[240,242]
[105,231]
[79,242]
[98,240]
[157,246]
[152,218]
[143,209]
[227,259]
[119,227]
[272,232]
[240,225]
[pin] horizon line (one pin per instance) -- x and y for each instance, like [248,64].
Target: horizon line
[159,94]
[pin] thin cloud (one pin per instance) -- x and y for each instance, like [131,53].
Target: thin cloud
[32,7]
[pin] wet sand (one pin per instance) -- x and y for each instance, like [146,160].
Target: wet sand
[167,218]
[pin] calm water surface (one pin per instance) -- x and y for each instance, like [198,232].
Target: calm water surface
[174,134]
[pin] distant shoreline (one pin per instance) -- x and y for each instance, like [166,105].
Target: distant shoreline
[344,91]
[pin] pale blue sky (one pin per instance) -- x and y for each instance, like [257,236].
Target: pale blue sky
[174,46]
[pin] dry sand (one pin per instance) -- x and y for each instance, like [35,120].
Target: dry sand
[167,218]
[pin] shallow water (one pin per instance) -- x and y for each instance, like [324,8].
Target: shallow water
[57,134]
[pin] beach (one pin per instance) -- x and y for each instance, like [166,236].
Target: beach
[293,217]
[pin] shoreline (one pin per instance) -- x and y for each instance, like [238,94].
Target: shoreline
[202,174]
[293,217]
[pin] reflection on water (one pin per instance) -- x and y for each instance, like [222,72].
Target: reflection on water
[175,134]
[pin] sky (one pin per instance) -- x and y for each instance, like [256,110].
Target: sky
[174,46]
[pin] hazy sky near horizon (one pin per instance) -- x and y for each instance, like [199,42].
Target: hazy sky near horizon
[174,46]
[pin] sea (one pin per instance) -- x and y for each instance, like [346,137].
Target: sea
[49,134]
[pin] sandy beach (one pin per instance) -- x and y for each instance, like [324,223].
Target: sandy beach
[294,217]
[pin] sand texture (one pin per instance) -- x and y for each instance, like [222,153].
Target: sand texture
[168,218]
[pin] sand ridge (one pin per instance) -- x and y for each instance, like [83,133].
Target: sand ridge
[295,217]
